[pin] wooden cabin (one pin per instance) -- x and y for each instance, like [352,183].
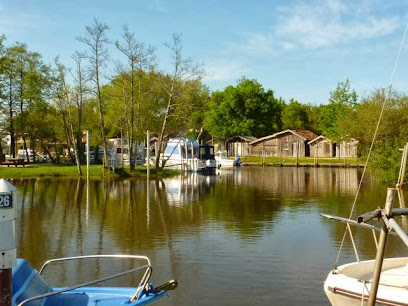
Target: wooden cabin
[322,147]
[284,143]
[347,148]
[240,146]
[218,143]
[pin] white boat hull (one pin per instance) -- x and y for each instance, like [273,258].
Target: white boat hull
[351,283]
[191,165]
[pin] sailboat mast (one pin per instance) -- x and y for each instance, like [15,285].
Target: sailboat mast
[382,243]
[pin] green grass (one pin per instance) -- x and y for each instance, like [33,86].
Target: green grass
[96,171]
[52,170]
[302,161]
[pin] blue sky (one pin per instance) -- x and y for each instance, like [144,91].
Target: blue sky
[299,49]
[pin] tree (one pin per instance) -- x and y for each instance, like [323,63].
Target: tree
[63,96]
[80,78]
[37,113]
[138,58]
[246,109]
[342,102]
[392,134]
[295,116]
[183,70]
[96,40]
[3,97]
[26,79]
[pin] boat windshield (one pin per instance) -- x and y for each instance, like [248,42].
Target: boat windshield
[170,150]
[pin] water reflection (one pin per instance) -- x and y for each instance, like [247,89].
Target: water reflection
[256,227]
[186,188]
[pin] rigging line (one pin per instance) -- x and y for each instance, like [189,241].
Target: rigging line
[386,98]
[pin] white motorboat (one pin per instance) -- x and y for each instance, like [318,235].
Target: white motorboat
[221,157]
[383,281]
[186,154]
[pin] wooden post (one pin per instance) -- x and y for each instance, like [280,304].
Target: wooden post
[193,160]
[148,154]
[382,243]
[5,287]
[148,177]
[297,154]
[88,171]
[263,153]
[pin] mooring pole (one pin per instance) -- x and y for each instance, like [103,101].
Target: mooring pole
[382,243]
[8,243]
[87,155]
[148,153]
[148,177]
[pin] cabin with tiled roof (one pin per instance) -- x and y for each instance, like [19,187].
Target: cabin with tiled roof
[284,143]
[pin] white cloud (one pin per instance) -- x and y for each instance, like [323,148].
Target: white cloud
[320,24]
[224,70]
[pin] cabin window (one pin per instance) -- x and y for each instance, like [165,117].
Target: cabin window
[286,146]
[119,150]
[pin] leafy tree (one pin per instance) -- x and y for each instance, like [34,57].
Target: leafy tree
[295,116]
[26,79]
[392,134]
[342,102]
[36,114]
[313,115]
[3,98]
[246,109]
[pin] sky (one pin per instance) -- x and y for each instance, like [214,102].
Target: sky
[299,49]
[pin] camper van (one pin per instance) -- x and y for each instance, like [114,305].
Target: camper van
[23,154]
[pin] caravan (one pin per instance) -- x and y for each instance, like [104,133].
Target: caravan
[22,153]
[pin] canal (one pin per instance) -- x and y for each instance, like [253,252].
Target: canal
[248,236]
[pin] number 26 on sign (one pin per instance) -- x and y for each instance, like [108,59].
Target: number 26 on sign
[6,201]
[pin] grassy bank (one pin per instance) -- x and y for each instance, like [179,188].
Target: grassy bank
[303,161]
[96,171]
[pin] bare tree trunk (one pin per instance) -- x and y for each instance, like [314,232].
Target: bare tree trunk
[163,130]
[183,69]
[140,57]
[96,40]
[11,122]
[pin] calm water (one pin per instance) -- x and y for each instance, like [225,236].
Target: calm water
[250,236]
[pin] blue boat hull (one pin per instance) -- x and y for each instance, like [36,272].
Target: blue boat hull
[28,283]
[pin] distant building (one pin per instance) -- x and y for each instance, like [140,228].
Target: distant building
[347,148]
[322,147]
[284,143]
[240,146]
[219,144]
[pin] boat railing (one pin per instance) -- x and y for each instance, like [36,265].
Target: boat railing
[142,284]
